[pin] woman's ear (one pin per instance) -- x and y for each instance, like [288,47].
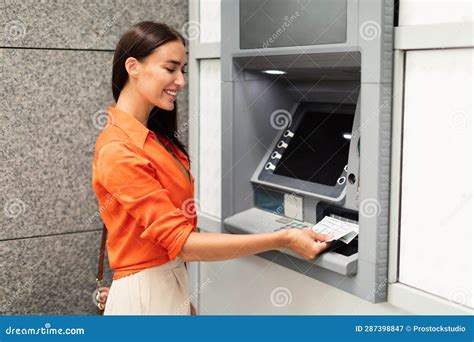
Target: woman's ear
[132,66]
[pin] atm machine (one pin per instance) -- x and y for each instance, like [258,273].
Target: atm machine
[306,111]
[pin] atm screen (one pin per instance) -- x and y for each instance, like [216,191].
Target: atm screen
[319,149]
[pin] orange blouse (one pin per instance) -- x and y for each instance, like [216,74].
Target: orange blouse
[145,197]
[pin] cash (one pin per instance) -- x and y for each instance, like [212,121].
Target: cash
[337,229]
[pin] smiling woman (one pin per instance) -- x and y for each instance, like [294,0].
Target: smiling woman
[138,161]
[154,75]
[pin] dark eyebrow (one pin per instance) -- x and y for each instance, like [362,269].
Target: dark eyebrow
[172,61]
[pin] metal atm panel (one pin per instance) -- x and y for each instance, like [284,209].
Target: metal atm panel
[340,83]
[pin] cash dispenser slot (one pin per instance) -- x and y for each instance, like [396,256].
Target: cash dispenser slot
[326,209]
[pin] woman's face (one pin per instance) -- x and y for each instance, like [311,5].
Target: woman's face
[160,75]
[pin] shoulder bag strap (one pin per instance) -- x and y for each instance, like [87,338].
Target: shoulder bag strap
[100,271]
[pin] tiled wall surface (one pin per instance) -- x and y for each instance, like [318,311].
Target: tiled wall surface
[55,70]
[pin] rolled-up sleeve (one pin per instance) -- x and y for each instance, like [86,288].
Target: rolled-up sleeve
[131,179]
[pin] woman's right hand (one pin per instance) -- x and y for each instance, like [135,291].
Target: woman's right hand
[306,242]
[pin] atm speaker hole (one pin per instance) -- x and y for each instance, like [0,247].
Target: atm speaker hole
[351,178]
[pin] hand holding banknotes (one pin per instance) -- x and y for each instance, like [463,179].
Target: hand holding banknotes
[306,242]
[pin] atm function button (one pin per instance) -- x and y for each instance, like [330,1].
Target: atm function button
[288,133]
[269,166]
[282,144]
[341,180]
[345,168]
[276,155]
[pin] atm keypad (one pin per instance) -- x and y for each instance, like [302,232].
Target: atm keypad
[284,220]
[290,223]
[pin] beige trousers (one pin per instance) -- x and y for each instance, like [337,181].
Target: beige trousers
[160,290]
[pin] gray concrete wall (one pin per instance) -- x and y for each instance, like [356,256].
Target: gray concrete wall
[55,71]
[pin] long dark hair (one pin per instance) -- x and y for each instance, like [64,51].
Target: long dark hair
[139,41]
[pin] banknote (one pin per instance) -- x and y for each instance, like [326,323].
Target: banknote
[337,229]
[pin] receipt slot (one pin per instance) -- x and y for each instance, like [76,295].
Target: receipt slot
[306,129]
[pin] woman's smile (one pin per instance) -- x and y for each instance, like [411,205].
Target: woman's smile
[171,94]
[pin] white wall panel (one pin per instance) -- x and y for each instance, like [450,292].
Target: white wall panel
[426,12]
[210,137]
[210,21]
[436,215]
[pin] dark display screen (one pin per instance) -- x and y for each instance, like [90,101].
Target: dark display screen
[318,151]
